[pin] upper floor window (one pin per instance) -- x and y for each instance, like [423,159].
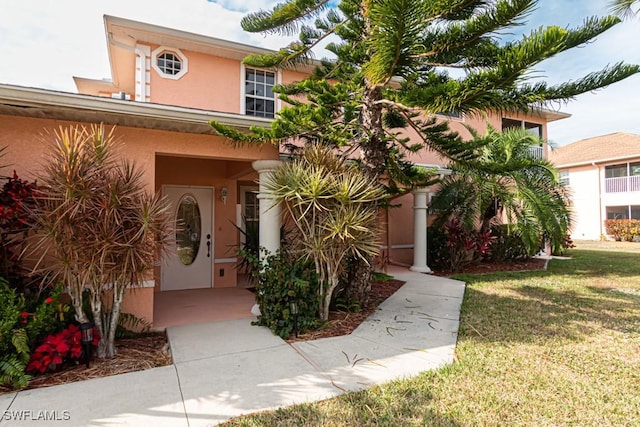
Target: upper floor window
[259,99]
[169,63]
[451,114]
[615,171]
[534,128]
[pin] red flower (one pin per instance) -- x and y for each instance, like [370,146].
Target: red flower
[24,314]
[49,300]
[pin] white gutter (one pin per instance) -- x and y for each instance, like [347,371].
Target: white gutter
[600,161]
[141,73]
[35,97]
[599,196]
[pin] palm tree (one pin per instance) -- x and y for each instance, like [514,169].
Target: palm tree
[507,183]
[333,207]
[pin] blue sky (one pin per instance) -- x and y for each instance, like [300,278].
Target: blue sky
[45,43]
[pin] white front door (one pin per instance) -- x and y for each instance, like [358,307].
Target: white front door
[190,260]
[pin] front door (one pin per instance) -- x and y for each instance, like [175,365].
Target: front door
[190,260]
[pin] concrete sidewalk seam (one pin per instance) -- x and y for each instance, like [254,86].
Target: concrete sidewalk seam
[15,395]
[184,407]
[315,366]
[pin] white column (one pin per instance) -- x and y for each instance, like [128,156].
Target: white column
[420,230]
[270,220]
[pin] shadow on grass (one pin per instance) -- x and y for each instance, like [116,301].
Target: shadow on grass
[378,406]
[539,314]
[563,302]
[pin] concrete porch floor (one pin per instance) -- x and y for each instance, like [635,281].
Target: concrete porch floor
[175,308]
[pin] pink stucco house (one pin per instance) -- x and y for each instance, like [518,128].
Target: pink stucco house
[603,174]
[165,86]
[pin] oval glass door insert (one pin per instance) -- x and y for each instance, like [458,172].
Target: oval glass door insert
[188,231]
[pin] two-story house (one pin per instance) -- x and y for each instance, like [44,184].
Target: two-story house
[603,174]
[165,86]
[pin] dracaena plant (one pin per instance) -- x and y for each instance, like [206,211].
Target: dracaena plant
[333,207]
[97,227]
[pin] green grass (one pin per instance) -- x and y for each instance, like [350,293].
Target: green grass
[559,347]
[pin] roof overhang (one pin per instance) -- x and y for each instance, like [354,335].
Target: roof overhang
[131,32]
[598,161]
[552,116]
[47,104]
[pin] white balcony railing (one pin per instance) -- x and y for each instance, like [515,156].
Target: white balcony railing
[622,184]
[536,152]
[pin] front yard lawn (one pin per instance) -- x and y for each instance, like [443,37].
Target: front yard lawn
[555,347]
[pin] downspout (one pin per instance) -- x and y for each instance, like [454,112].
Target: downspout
[599,198]
[142,61]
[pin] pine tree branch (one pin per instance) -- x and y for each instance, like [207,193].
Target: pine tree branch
[282,18]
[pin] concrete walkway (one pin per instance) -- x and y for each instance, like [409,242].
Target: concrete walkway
[225,369]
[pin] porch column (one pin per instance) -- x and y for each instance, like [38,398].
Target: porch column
[420,230]
[270,221]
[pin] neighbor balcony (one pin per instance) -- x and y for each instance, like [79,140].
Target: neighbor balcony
[622,184]
[536,152]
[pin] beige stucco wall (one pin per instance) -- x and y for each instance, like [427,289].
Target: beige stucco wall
[211,83]
[584,184]
[165,158]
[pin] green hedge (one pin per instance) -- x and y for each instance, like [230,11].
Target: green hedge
[623,229]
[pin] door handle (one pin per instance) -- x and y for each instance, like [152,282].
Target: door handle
[208,245]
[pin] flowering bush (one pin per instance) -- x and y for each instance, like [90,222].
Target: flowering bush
[57,349]
[21,329]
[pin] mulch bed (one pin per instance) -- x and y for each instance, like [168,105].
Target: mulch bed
[343,323]
[491,267]
[136,354]
[133,354]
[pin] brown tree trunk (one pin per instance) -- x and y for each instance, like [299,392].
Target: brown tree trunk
[358,286]
[375,153]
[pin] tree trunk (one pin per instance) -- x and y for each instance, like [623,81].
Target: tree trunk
[358,286]
[118,296]
[375,152]
[96,309]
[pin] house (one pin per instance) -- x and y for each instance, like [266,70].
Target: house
[603,174]
[165,86]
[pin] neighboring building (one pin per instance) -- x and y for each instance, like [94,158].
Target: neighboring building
[603,174]
[165,86]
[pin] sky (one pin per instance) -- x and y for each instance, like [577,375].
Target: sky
[44,43]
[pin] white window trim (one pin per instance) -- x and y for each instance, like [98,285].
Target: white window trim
[241,207]
[243,100]
[184,67]
[452,118]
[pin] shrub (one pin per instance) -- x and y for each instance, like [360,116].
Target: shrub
[508,245]
[16,201]
[464,247]
[282,279]
[23,326]
[623,229]
[14,347]
[58,349]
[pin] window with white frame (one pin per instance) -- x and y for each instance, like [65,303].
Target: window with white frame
[259,99]
[169,63]
[563,177]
